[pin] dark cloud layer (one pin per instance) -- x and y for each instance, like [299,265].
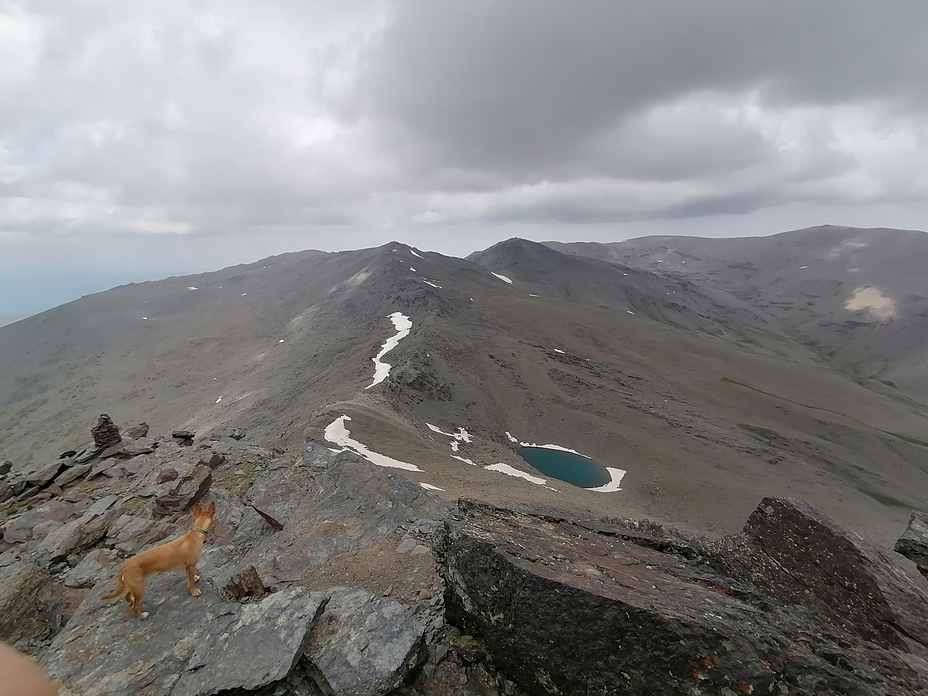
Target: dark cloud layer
[297,124]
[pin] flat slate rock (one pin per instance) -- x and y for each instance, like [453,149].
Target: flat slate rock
[189,646]
[363,645]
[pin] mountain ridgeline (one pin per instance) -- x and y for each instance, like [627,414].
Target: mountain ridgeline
[689,367]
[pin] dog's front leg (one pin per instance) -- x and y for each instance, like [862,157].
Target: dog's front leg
[192,577]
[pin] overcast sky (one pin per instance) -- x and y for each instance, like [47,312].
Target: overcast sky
[148,138]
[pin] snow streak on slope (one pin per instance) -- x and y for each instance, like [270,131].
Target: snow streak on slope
[512,471]
[382,369]
[502,277]
[338,433]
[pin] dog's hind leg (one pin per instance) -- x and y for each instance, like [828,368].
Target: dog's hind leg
[192,577]
[135,583]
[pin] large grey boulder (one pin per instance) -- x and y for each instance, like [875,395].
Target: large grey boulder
[78,535]
[363,645]
[19,530]
[189,646]
[913,544]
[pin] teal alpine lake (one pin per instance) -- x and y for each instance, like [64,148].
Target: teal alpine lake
[566,466]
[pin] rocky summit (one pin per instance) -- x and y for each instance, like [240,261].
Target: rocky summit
[325,574]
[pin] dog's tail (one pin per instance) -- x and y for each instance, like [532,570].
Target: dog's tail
[120,588]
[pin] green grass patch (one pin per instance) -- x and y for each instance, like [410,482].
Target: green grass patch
[887,500]
[239,483]
[907,438]
[771,437]
[16,508]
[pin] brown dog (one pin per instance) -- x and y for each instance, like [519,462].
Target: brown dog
[184,552]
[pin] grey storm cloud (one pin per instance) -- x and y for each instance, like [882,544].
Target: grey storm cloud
[317,124]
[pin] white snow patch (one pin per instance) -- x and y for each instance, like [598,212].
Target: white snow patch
[510,437]
[192,287]
[502,277]
[412,269]
[430,487]
[630,312]
[281,341]
[531,295]
[432,284]
[244,293]
[801,267]
[461,434]
[558,350]
[554,447]
[461,459]
[659,261]
[145,318]
[411,251]
[219,399]
[512,471]
[615,476]
[382,369]
[335,450]
[455,445]
[337,432]
[625,274]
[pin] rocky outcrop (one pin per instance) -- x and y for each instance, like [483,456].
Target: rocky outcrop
[570,608]
[190,489]
[913,544]
[138,431]
[189,646]
[797,555]
[22,584]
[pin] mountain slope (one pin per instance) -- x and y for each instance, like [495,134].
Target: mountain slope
[703,426]
[857,296]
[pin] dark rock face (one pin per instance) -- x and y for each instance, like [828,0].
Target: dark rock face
[567,608]
[913,544]
[105,433]
[834,573]
[183,437]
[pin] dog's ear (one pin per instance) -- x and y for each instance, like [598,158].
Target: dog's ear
[196,510]
[211,510]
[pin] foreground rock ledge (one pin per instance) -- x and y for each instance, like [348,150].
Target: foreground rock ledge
[568,608]
[189,646]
